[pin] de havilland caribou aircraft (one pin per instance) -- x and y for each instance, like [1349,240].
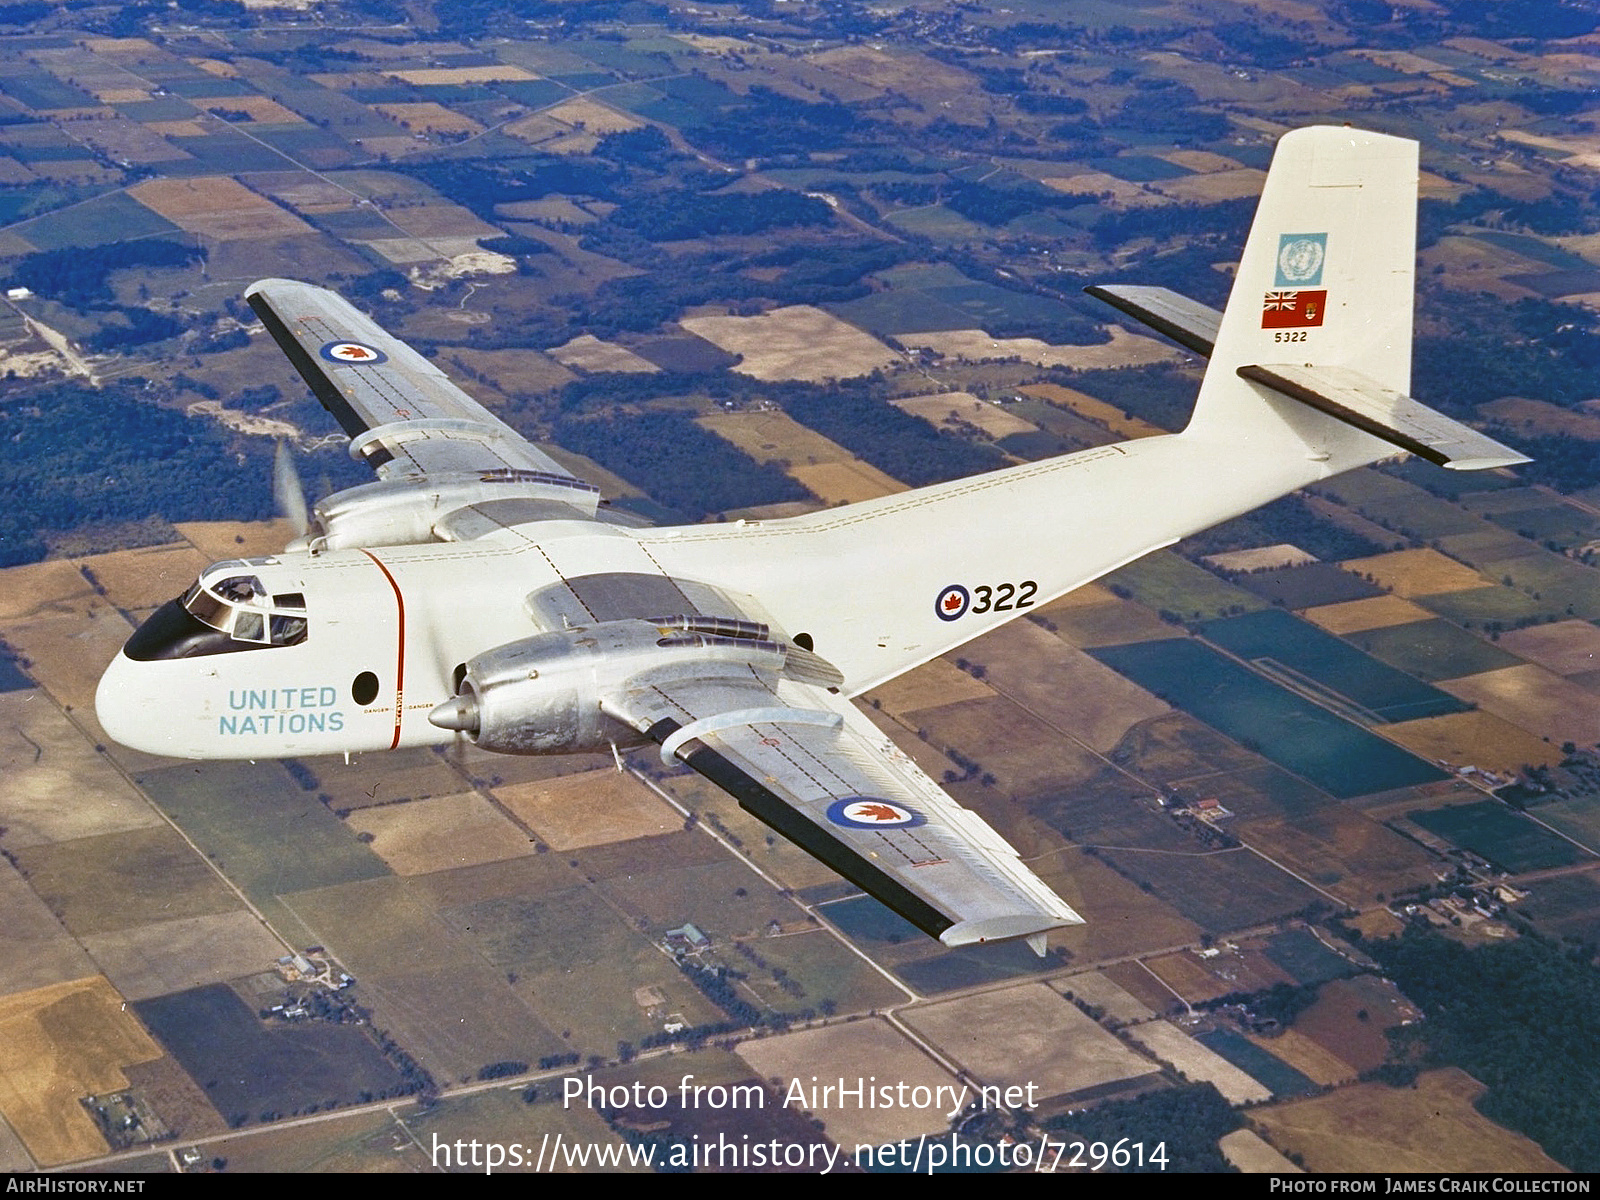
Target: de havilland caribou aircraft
[479,589]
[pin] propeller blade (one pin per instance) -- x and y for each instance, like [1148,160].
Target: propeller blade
[287,491]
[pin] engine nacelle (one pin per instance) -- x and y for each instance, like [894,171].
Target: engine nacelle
[544,694]
[406,511]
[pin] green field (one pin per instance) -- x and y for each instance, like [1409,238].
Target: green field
[261,828]
[1276,640]
[1491,830]
[1169,583]
[1218,890]
[1308,586]
[1343,759]
[254,1071]
[1576,816]
[113,218]
[1432,650]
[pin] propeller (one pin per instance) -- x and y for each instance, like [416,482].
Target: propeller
[287,490]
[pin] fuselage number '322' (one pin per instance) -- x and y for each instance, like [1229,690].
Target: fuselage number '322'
[956,601]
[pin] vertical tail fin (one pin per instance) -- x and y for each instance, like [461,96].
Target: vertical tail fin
[1327,280]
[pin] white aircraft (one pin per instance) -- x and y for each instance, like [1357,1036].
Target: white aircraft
[478,589]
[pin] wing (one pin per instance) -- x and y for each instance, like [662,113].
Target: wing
[802,759]
[405,418]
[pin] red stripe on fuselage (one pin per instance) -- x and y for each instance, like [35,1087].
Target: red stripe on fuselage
[400,649]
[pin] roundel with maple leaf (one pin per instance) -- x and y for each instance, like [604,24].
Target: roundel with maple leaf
[871,812]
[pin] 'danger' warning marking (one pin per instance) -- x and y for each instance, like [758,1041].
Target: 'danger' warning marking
[869,812]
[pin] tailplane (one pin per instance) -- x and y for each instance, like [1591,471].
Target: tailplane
[1313,354]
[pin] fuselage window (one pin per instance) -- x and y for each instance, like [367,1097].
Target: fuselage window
[364,689]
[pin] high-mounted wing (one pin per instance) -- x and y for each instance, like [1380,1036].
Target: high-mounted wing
[403,415]
[448,468]
[806,762]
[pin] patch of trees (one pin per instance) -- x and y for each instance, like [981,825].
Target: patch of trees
[898,444]
[682,214]
[1166,107]
[1493,349]
[1051,104]
[1291,520]
[480,184]
[1190,1120]
[80,275]
[1159,394]
[138,327]
[1225,223]
[770,125]
[76,455]
[1521,1017]
[1523,18]
[1263,46]
[678,463]
[647,147]
[1561,461]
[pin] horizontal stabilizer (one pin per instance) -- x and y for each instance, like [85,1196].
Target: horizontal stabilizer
[1185,321]
[1393,416]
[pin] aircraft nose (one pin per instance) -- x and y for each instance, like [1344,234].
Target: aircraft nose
[130,716]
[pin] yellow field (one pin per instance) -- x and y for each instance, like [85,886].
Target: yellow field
[1375,612]
[217,540]
[495,73]
[1201,160]
[1214,187]
[930,685]
[422,836]
[1063,686]
[591,116]
[974,345]
[1538,700]
[178,128]
[870,1047]
[172,956]
[1112,417]
[217,207]
[428,117]
[1245,1149]
[1097,183]
[1535,416]
[590,809]
[43,588]
[1417,572]
[589,353]
[775,437]
[67,654]
[146,577]
[1430,1128]
[1262,558]
[797,342]
[59,1043]
[1566,647]
[955,408]
[1028,1034]
[1477,738]
[1306,1056]
[1172,1045]
[260,108]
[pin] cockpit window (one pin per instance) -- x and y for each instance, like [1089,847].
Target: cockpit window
[230,612]
[241,589]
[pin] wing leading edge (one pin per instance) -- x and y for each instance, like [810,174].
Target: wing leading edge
[403,415]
